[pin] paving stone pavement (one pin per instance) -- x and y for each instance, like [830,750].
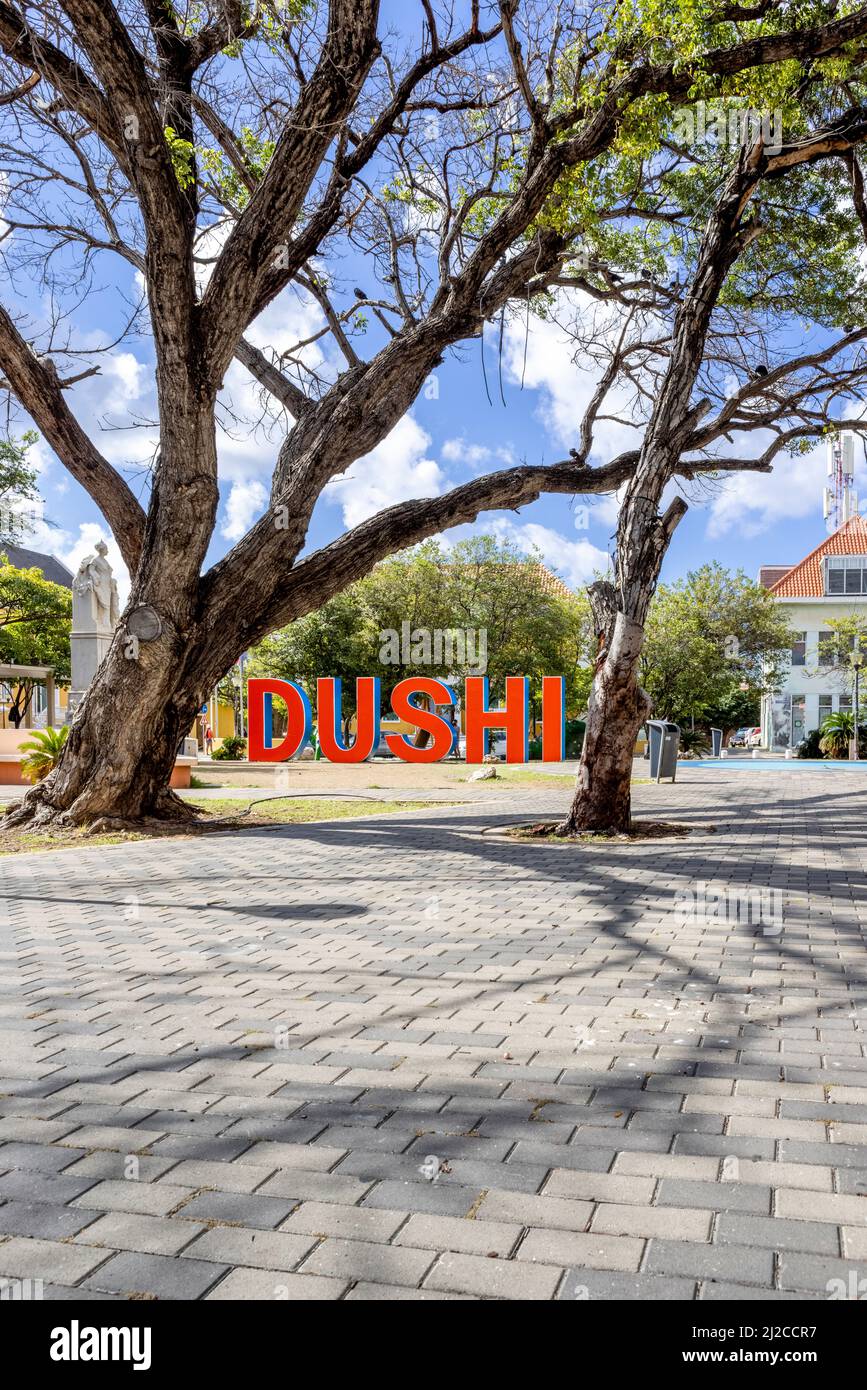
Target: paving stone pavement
[397,1059]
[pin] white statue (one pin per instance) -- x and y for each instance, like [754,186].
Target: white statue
[94,578]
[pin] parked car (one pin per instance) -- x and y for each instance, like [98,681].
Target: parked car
[739,738]
[754,738]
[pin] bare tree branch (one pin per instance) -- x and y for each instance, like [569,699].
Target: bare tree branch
[40,391]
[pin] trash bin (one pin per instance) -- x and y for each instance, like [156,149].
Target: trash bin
[664,743]
[716,737]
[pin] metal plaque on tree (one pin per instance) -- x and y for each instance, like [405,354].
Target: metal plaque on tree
[144,623]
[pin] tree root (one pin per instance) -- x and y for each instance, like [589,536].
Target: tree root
[37,811]
[564,830]
[31,810]
[170,806]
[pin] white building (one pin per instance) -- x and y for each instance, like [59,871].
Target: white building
[831,582]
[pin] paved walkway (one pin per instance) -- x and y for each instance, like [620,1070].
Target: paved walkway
[396,1059]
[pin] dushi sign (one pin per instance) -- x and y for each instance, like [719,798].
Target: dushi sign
[480,719]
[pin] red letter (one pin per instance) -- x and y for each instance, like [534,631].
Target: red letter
[298,729]
[443,733]
[513,718]
[553,718]
[328,712]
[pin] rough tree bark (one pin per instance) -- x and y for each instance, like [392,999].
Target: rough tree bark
[617,706]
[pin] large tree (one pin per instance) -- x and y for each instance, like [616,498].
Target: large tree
[765,252]
[488,155]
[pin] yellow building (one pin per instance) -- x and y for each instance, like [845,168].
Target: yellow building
[220,715]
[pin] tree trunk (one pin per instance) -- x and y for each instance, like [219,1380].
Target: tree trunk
[618,706]
[118,758]
[123,740]
[122,743]
[615,712]
[422,737]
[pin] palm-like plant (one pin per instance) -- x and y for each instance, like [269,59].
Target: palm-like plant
[43,751]
[837,732]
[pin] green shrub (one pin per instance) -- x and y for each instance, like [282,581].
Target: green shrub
[694,741]
[574,740]
[809,747]
[232,749]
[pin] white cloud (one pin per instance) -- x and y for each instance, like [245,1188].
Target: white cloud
[603,509]
[123,379]
[249,444]
[209,245]
[578,561]
[396,470]
[252,425]
[476,456]
[110,406]
[247,500]
[751,503]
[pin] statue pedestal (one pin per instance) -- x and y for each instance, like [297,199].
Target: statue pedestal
[87,651]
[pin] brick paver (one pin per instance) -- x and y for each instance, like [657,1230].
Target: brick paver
[397,1058]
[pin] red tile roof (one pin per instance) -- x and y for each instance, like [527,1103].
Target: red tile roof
[806,579]
[550,584]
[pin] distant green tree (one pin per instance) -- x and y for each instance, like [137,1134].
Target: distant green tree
[35,623]
[736,709]
[716,642]
[17,485]
[482,586]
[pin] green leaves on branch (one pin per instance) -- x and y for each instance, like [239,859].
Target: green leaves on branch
[257,151]
[267,22]
[659,179]
[182,154]
[17,482]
